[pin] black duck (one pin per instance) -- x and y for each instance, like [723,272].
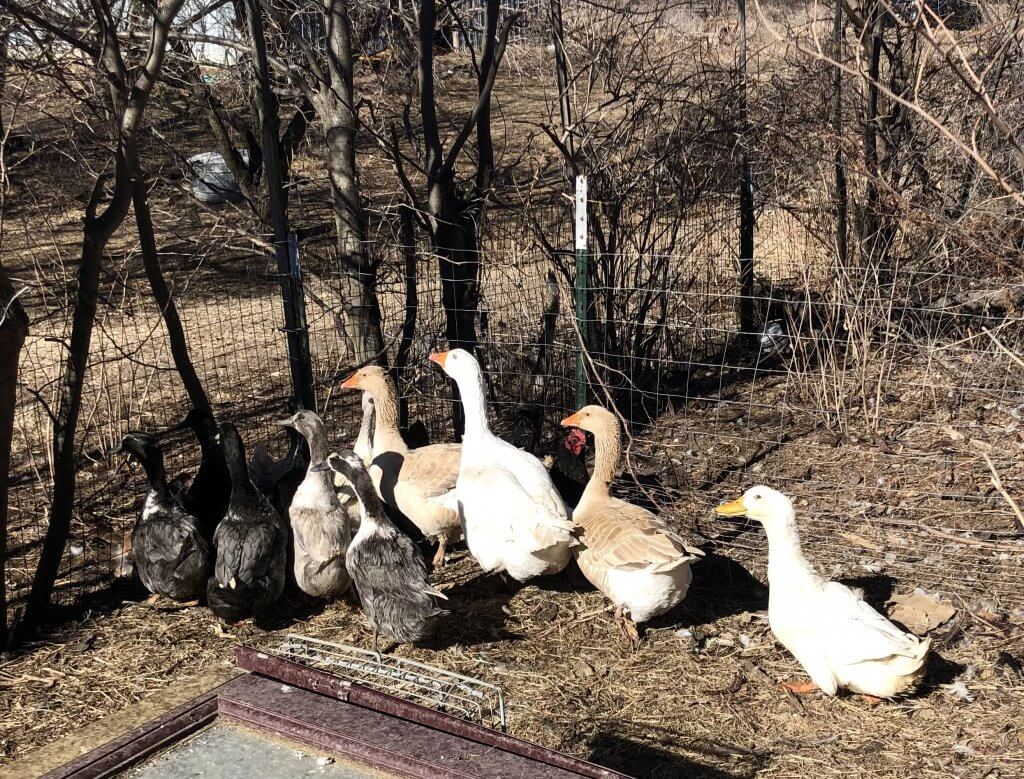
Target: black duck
[278,479]
[206,496]
[251,542]
[168,549]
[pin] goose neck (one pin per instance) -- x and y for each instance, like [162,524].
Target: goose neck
[474,406]
[386,436]
[607,457]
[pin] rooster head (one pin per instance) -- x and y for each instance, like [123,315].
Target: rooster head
[576,441]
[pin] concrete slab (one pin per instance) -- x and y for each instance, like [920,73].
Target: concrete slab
[226,752]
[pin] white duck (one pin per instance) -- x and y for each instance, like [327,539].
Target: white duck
[838,638]
[632,556]
[512,517]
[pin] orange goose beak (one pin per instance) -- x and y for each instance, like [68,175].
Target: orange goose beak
[571,421]
[439,358]
[352,382]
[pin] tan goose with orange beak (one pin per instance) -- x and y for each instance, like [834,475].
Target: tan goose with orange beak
[628,553]
[418,482]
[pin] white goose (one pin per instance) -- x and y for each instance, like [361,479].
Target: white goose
[838,638]
[512,517]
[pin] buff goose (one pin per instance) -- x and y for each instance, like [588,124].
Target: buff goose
[167,546]
[838,638]
[321,527]
[628,553]
[512,515]
[417,482]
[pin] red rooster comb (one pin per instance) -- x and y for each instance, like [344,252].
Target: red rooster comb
[575,441]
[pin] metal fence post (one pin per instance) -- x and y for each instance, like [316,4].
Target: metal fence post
[582,284]
[746,259]
[841,199]
[299,359]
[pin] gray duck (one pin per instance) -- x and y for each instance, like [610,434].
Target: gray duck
[321,526]
[386,568]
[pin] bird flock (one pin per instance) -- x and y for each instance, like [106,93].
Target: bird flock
[236,537]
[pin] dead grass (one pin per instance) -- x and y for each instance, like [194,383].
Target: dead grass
[700,692]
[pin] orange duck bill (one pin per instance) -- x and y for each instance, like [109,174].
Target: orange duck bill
[734,508]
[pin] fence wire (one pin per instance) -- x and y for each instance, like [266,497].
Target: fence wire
[882,410]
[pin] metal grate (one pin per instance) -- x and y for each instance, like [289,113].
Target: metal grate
[462,696]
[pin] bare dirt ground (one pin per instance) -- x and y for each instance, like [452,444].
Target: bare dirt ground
[701,693]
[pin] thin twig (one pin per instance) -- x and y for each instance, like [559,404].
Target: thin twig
[998,484]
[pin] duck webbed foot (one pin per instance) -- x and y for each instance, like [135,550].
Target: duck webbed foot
[439,555]
[799,688]
[628,628]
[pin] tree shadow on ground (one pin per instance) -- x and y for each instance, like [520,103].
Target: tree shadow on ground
[648,761]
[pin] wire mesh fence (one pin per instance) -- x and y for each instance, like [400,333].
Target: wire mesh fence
[883,406]
[884,393]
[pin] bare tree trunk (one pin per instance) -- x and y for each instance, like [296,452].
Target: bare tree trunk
[97,233]
[453,219]
[337,111]
[129,97]
[162,295]
[869,222]
[407,237]
[13,331]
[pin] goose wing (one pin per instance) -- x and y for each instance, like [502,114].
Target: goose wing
[433,470]
[513,508]
[626,537]
[531,478]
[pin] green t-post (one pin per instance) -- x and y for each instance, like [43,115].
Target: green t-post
[582,283]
